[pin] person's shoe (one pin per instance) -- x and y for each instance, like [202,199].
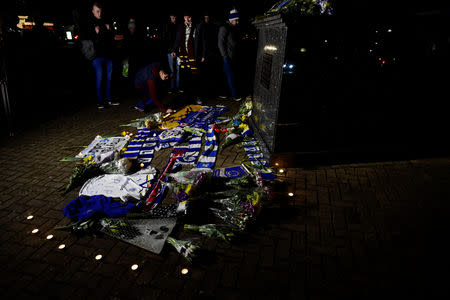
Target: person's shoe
[237,99]
[113,102]
[100,106]
[223,97]
[140,106]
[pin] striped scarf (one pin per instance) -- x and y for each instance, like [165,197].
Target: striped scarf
[208,157]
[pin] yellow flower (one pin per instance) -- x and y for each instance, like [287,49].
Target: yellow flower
[124,133]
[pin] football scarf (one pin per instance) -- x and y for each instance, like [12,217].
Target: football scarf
[231,172]
[257,159]
[142,147]
[158,188]
[174,120]
[203,117]
[192,152]
[208,157]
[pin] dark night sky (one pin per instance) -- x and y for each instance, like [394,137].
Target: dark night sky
[156,11]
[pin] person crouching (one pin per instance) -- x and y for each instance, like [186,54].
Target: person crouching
[149,81]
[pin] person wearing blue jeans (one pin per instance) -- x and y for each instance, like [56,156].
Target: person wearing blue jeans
[175,69]
[102,64]
[231,78]
[99,32]
[170,34]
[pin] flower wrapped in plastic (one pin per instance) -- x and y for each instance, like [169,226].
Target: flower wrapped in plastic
[120,166]
[223,232]
[82,173]
[246,181]
[237,218]
[194,176]
[185,248]
[181,191]
[140,123]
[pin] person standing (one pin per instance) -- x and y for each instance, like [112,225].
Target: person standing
[208,57]
[228,42]
[100,33]
[134,45]
[170,37]
[184,50]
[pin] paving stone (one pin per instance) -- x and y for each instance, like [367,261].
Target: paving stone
[350,229]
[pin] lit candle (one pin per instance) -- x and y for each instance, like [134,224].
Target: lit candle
[184,271]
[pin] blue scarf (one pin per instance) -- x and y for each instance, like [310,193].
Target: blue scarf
[231,172]
[208,157]
[203,117]
[257,159]
[142,147]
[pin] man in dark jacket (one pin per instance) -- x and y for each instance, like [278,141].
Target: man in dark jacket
[100,33]
[148,81]
[207,56]
[184,50]
[170,32]
[228,46]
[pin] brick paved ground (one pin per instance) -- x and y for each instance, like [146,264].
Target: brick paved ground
[353,231]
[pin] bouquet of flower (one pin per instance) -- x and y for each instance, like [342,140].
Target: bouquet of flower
[233,137]
[244,182]
[230,203]
[194,131]
[82,173]
[81,227]
[185,248]
[222,232]
[121,166]
[238,217]
[193,176]
[180,190]
[140,123]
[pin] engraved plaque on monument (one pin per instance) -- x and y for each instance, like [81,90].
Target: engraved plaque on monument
[337,86]
[277,110]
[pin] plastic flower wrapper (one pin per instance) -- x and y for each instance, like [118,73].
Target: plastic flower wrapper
[120,166]
[140,123]
[180,190]
[233,137]
[194,176]
[223,232]
[82,227]
[194,131]
[81,174]
[237,218]
[186,248]
[244,181]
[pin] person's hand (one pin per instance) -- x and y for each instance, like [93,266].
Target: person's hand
[107,26]
[97,29]
[173,54]
[169,111]
[203,59]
